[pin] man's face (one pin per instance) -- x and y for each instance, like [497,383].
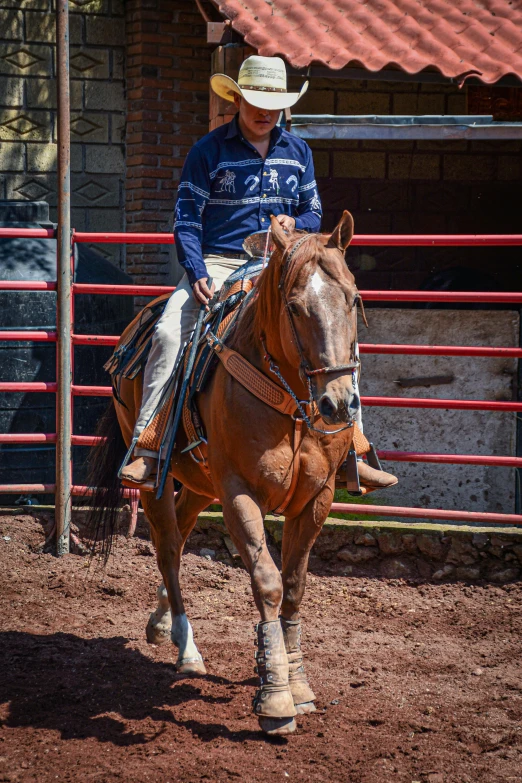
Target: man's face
[256,122]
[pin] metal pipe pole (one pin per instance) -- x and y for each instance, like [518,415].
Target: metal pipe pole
[64,287]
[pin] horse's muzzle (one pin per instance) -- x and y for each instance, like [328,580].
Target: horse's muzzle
[337,412]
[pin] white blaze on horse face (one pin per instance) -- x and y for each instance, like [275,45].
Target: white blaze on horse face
[316,282]
[320,289]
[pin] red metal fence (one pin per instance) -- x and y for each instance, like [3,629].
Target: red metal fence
[66,345]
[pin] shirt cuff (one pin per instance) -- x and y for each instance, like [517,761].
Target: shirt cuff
[197,272]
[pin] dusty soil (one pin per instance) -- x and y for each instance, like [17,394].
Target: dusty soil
[415,682]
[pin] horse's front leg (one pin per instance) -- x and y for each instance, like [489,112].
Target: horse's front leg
[299,534]
[273,703]
[170,525]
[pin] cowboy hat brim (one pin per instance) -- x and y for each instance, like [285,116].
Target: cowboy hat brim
[225,87]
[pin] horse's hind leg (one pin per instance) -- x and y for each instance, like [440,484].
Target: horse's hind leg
[273,703]
[171,524]
[299,535]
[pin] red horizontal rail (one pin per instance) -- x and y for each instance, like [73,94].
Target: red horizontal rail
[131,290]
[368,348]
[393,456]
[496,297]
[441,350]
[40,336]
[373,240]
[450,459]
[50,337]
[42,233]
[28,437]
[128,238]
[426,513]
[91,391]
[27,285]
[49,437]
[438,240]
[430,402]
[95,339]
[49,489]
[346,508]
[27,386]
[387,402]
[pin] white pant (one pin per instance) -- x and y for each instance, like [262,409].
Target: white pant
[170,336]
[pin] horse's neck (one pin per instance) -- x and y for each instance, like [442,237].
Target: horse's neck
[250,345]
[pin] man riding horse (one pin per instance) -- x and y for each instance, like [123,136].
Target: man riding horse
[233,180]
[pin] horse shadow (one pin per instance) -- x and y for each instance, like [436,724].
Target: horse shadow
[85,688]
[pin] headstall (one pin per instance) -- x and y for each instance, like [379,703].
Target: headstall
[352,366]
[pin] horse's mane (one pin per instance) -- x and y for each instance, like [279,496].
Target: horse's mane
[263,316]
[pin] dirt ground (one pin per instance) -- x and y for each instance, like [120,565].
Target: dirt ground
[414,682]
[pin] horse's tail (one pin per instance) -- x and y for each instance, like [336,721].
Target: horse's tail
[103,464]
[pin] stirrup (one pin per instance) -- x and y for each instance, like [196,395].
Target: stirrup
[372,459]
[353,486]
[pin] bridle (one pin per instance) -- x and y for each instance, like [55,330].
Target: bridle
[352,366]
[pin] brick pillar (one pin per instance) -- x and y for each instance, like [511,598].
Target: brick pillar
[168,68]
[227,60]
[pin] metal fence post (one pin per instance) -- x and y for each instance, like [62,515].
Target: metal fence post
[64,283]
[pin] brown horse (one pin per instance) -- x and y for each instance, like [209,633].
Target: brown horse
[304,321]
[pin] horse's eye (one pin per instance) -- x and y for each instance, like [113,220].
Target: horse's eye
[293,309]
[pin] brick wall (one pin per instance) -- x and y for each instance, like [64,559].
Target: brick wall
[416,187]
[168,68]
[28,109]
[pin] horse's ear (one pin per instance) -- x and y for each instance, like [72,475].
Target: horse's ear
[342,234]
[279,235]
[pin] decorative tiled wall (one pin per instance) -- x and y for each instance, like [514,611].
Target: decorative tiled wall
[28,110]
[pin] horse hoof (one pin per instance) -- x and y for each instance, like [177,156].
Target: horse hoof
[193,668]
[157,634]
[306,708]
[277,727]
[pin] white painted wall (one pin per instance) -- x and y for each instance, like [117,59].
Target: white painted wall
[470,488]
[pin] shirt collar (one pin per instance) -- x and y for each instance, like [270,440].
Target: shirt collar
[234,132]
[233,128]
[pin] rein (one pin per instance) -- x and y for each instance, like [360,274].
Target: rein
[352,366]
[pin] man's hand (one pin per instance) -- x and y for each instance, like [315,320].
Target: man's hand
[286,221]
[201,292]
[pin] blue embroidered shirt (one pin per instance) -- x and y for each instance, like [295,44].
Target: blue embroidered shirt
[227,191]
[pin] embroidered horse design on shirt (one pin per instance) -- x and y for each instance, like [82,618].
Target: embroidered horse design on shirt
[315,202]
[227,182]
[273,182]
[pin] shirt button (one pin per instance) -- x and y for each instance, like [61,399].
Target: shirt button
[262,220]
[264,195]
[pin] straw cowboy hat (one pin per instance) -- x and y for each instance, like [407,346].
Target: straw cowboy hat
[261,82]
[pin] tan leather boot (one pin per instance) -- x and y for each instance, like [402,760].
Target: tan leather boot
[371,479]
[138,473]
[273,702]
[302,694]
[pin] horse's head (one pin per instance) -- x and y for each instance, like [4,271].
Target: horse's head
[318,314]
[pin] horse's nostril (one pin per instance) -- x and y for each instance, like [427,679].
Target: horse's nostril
[327,407]
[355,403]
